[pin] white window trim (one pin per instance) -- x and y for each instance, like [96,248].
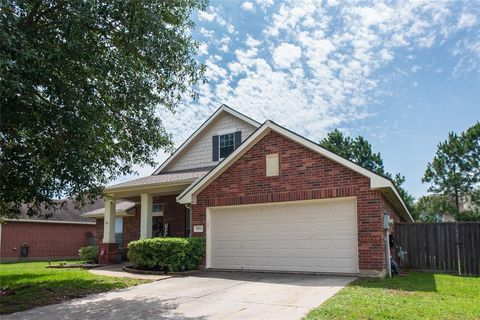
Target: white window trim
[224,134]
[226,131]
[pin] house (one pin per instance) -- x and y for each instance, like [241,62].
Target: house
[264,197]
[52,235]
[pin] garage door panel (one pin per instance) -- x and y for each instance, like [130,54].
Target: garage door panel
[303,244]
[219,244]
[316,236]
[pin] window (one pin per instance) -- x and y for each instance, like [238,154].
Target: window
[272,165]
[227,145]
[224,144]
[118,230]
[157,209]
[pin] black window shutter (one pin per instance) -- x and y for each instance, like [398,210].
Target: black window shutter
[237,139]
[215,148]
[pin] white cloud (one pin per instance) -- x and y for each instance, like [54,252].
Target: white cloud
[251,42]
[286,54]
[264,4]
[248,6]
[467,20]
[416,68]
[203,49]
[207,16]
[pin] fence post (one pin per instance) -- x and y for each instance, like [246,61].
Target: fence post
[457,241]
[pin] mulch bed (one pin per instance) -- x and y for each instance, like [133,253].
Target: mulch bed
[132,269]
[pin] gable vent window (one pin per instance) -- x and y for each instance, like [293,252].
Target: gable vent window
[225,144]
[272,165]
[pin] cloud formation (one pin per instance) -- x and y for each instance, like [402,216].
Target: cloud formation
[313,66]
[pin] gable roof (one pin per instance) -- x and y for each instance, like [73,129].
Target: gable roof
[223,108]
[376,181]
[66,211]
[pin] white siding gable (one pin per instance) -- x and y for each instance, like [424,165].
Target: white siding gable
[198,154]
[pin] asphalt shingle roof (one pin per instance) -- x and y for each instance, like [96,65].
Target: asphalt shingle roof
[161,178]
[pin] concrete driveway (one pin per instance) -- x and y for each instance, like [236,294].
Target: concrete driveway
[207,295]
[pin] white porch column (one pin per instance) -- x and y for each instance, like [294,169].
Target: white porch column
[145,215]
[109,220]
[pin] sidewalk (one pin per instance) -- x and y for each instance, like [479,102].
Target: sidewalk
[115,270]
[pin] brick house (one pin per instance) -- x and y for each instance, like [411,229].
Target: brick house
[51,235]
[264,197]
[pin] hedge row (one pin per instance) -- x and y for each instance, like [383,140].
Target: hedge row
[169,254]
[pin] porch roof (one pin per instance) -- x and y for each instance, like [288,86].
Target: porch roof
[121,209]
[168,178]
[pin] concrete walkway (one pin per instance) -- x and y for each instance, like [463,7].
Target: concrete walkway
[115,270]
[206,295]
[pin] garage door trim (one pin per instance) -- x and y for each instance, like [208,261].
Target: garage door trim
[209,220]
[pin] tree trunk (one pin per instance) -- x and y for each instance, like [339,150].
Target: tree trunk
[457,202]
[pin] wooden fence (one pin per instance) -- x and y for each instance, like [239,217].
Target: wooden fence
[447,247]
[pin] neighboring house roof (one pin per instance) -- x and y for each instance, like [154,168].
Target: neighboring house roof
[216,114]
[376,181]
[66,212]
[167,178]
[121,209]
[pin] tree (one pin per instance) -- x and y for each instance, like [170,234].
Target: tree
[428,207]
[455,169]
[359,150]
[79,85]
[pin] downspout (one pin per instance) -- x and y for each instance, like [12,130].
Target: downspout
[389,262]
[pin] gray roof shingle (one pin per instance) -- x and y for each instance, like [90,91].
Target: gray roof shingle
[162,178]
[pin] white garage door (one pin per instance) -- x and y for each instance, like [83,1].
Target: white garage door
[308,236]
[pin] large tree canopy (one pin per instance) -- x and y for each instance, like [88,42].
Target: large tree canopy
[79,84]
[359,150]
[455,170]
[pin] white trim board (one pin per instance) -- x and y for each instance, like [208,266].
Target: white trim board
[376,181]
[223,108]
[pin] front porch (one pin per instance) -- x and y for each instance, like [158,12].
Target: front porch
[152,216]
[140,209]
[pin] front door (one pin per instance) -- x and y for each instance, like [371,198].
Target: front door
[157,226]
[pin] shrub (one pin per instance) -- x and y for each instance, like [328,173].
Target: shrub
[89,254]
[169,254]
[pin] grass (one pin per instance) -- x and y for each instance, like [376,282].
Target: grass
[414,296]
[29,284]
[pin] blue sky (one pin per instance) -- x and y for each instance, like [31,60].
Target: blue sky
[401,73]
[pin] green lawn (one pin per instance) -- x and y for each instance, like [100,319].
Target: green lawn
[414,296]
[30,284]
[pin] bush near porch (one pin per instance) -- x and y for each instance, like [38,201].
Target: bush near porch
[167,254]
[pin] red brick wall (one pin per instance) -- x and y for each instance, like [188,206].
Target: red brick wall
[46,240]
[304,175]
[174,215]
[393,213]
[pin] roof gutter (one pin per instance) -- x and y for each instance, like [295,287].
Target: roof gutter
[50,221]
[149,186]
